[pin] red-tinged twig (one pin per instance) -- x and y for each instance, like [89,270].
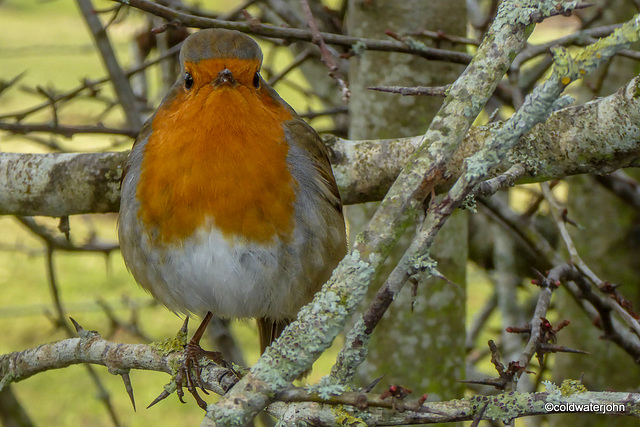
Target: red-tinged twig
[542,338]
[593,303]
[326,56]
[541,331]
[556,211]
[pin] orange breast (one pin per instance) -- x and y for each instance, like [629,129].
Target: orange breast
[218,153]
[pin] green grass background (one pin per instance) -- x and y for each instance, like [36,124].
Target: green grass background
[49,41]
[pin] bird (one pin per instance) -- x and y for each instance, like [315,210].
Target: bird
[229,205]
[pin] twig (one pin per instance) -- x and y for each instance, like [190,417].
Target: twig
[66,131]
[103,394]
[414,90]
[342,109]
[326,56]
[439,35]
[480,320]
[12,412]
[297,61]
[118,78]
[116,323]
[581,265]
[623,186]
[547,286]
[6,84]
[50,100]
[89,85]
[63,244]
[296,34]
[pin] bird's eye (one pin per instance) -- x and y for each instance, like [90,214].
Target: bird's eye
[256,80]
[188,81]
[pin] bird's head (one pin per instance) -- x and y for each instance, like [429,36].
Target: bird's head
[216,58]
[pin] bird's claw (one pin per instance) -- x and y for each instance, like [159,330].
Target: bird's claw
[191,371]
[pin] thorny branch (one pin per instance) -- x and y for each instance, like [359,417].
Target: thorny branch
[595,304]
[615,299]
[119,358]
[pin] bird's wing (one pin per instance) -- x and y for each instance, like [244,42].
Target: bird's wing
[307,138]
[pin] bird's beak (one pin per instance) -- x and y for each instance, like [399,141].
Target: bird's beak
[225,76]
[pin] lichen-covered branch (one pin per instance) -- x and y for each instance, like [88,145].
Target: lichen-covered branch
[294,404]
[535,109]
[60,184]
[598,137]
[90,348]
[362,410]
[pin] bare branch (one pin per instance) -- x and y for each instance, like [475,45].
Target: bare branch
[188,20]
[118,78]
[66,131]
[413,91]
[327,58]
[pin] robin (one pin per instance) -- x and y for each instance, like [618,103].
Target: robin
[229,204]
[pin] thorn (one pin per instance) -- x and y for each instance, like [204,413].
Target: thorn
[65,227]
[184,329]
[127,386]
[162,396]
[553,348]
[373,383]
[478,416]
[76,325]
[423,399]
[82,332]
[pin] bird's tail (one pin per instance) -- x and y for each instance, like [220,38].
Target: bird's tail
[269,330]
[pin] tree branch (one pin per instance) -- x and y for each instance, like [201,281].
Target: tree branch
[293,404]
[188,20]
[598,137]
[118,78]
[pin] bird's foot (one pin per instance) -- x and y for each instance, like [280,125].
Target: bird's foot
[190,372]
